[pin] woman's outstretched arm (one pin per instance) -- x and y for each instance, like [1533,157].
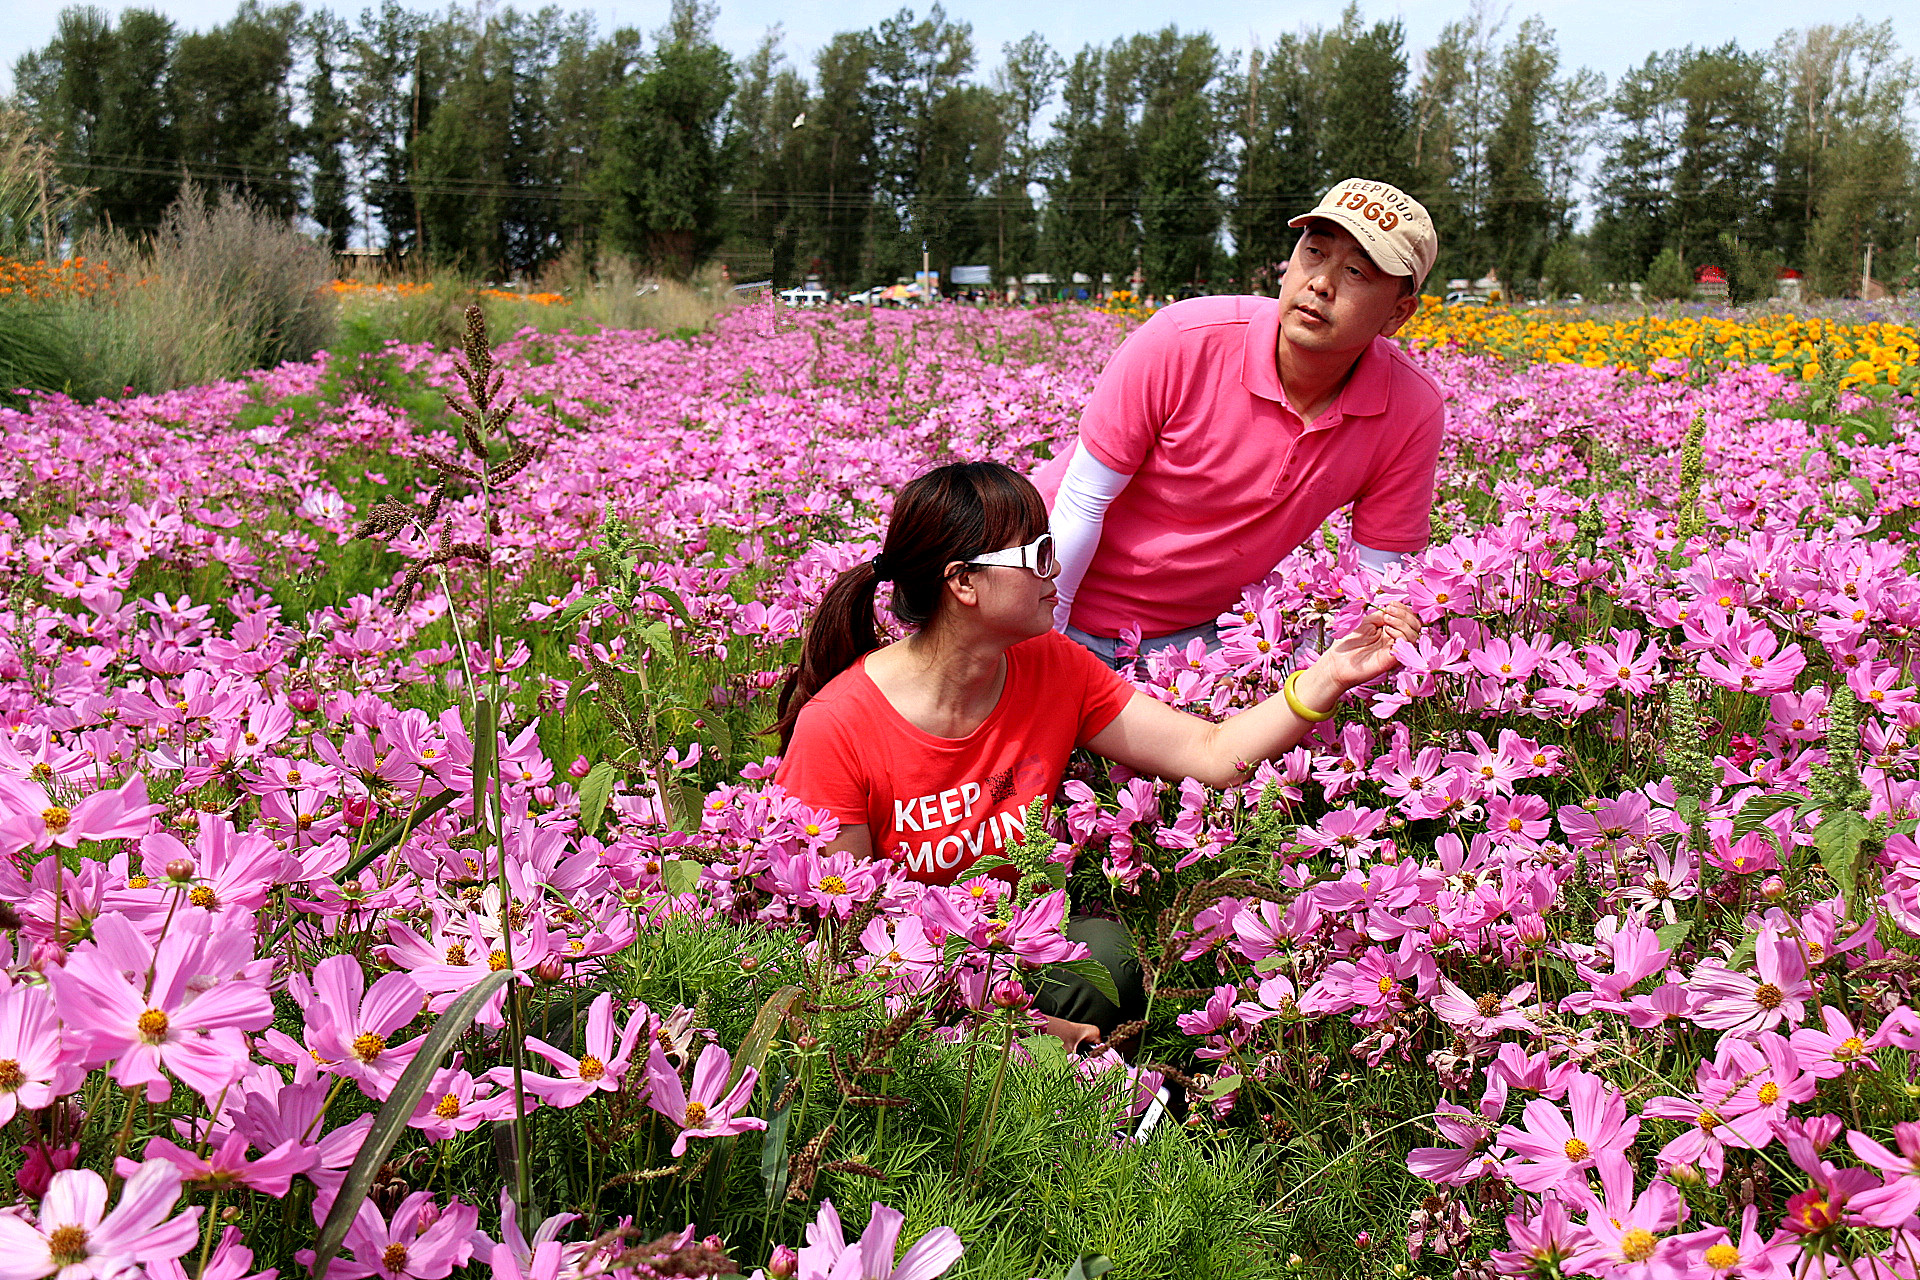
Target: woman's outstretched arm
[1150,737]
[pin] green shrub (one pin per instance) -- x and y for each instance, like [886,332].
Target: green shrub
[219,289]
[1668,279]
[35,353]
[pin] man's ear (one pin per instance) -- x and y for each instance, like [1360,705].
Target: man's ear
[1402,312]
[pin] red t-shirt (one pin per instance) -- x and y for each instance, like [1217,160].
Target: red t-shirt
[941,804]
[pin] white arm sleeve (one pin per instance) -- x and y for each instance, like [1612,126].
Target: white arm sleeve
[1079,510]
[1378,561]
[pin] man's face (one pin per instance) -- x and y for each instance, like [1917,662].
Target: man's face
[1334,299]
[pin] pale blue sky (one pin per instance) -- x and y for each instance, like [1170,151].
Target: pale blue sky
[1609,36]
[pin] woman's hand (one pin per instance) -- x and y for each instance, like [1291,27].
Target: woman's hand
[1366,652]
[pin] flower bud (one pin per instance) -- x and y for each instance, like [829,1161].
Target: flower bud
[784,1263]
[356,811]
[749,963]
[550,969]
[180,868]
[579,768]
[1364,1240]
[1773,888]
[1010,995]
[807,1042]
[1685,1175]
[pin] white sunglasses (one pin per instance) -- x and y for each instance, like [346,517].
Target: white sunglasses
[1036,555]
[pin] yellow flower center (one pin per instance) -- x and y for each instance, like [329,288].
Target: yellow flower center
[201,896]
[11,1076]
[456,954]
[448,1107]
[1386,984]
[1637,1244]
[832,885]
[1851,1047]
[367,1046]
[1768,996]
[1721,1257]
[496,960]
[591,1068]
[57,818]
[696,1114]
[1576,1149]
[68,1245]
[153,1026]
[1707,1121]
[394,1256]
[138,882]
[813,828]
[1769,1094]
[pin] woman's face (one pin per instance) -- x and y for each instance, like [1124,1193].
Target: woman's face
[1009,601]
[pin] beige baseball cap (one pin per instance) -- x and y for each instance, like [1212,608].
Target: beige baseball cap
[1390,225]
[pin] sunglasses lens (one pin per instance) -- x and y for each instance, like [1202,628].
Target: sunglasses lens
[1043,559]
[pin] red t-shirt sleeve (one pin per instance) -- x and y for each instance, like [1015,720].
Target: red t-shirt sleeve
[822,767]
[1128,407]
[1103,693]
[1395,512]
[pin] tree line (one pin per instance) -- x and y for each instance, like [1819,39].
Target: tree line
[498,140]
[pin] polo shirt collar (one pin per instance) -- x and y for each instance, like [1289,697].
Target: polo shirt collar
[1365,394]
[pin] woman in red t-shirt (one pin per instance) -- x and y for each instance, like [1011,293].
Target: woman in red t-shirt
[929,749]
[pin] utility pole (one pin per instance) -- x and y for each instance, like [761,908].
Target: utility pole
[926,277]
[1866,274]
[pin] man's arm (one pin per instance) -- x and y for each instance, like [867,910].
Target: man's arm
[1087,489]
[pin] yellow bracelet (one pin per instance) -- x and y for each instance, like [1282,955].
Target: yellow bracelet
[1300,708]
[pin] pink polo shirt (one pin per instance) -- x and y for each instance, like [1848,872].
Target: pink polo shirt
[1225,480]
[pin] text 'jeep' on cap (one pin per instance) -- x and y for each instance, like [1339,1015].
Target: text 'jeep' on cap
[1390,225]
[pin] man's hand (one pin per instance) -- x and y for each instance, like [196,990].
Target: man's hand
[1366,652]
[1073,1035]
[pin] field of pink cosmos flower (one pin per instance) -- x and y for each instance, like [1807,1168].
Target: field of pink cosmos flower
[395,885]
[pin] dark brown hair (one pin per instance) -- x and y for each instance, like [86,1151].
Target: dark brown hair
[955,512]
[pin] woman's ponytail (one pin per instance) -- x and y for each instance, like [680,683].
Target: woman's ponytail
[950,514]
[842,632]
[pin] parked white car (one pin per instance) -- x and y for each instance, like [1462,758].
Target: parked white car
[805,296]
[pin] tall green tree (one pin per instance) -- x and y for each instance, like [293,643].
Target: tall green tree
[232,93]
[100,89]
[324,139]
[1089,228]
[1517,216]
[661,170]
[1725,150]
[1025,83]
[1846,174]
[1179,143]
[1369,117]
[1636,171]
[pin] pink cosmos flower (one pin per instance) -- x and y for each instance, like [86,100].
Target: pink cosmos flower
[602,1068]
[169,1022]
[455,1102]
[1542,1243]
[828,1256]
[709,1111]
[1627,1235]
[74,1237]
[1728,1000]
[422,1242]
[1716,1254]
[227,1164]
[1486,1015]
[348,1026]
[1552,1153]
[1472,1155]
[34,1069]
[30,817]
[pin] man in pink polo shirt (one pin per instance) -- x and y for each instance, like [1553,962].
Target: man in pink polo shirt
[1226,429]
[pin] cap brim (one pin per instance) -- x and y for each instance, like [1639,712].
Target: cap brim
[1381,251]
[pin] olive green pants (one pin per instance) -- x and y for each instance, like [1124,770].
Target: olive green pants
[1064,994]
